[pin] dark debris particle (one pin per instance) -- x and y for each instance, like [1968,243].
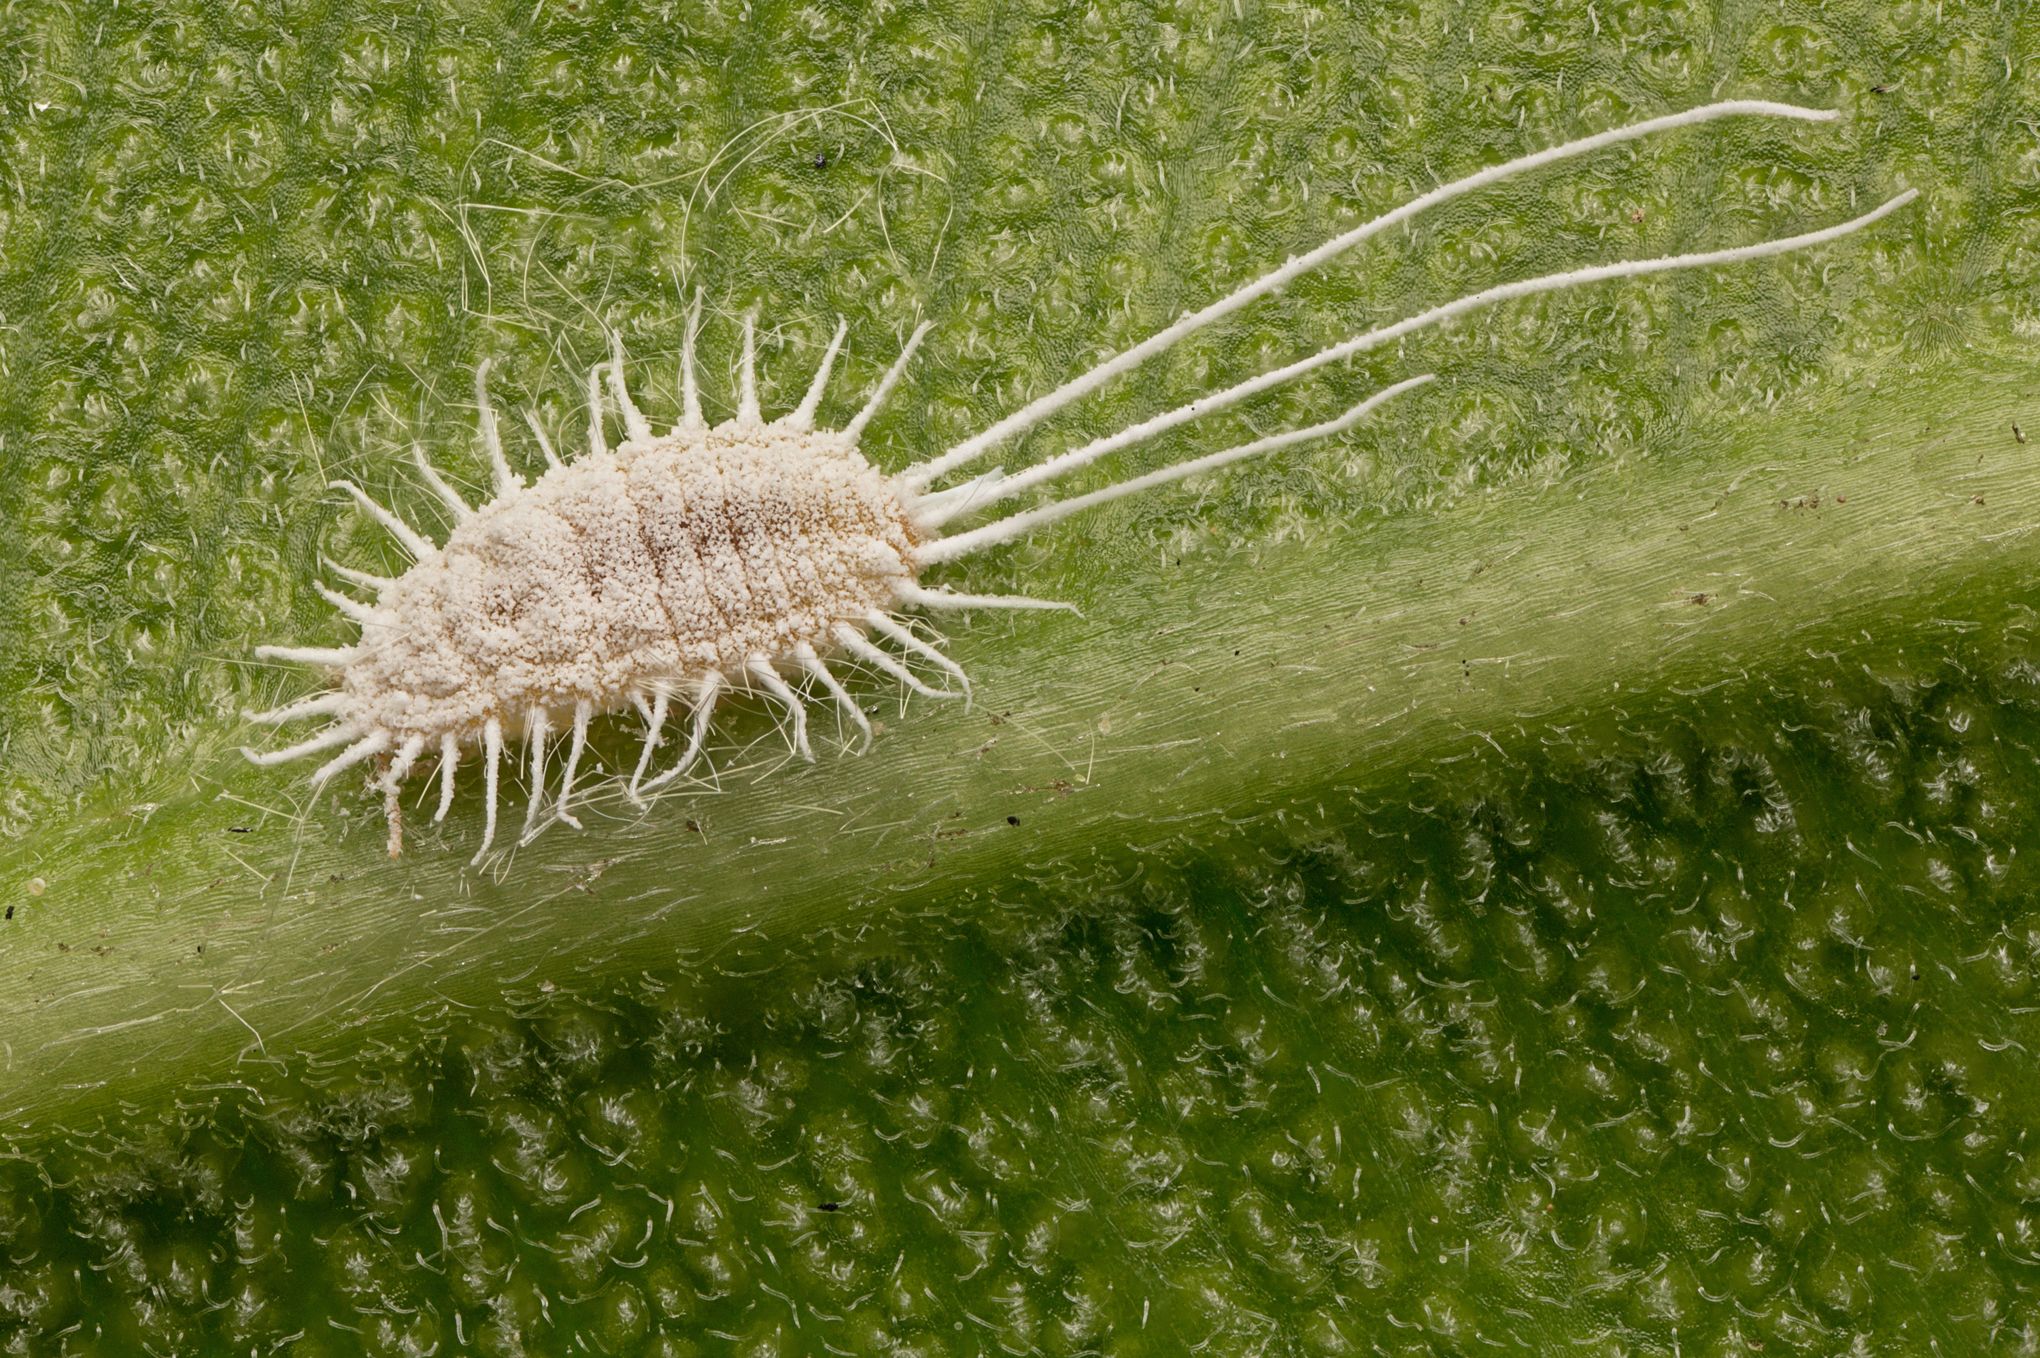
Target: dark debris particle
[1010,820]
[10,909]
[827,1206]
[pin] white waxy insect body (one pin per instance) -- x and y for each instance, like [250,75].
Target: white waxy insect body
[738,556]
[657,562]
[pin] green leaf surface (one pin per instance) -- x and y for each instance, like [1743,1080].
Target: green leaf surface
[1467,882]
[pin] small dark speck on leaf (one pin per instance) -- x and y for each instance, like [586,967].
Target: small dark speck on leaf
[1010,820]
[1701,598]
[240,829]
[821,160]
[10,912]
[1976,499]
[827,1206]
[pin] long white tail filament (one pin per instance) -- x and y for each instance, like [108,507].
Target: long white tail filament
[357,740]
[1374,339]
[1018,525]
[1034,412]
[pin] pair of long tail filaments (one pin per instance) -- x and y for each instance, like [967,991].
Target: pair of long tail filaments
[934,508]
[938,507]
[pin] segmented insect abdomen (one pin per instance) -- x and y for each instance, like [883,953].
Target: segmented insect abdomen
[761,549]
[619,567]
[651,565]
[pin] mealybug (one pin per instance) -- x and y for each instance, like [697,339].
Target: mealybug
[740,555]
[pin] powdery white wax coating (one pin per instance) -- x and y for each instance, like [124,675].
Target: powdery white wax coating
[664,561]
[725,555]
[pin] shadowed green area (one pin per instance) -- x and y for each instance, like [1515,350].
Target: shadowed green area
[1460,884]
[1703,1027]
